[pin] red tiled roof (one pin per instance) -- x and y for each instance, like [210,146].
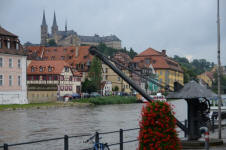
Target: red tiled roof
[158,60]
[48,53]
[149,51]
[57,67]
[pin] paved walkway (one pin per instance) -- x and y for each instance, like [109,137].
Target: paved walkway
[215,135]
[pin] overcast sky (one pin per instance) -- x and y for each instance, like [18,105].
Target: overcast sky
[183,27]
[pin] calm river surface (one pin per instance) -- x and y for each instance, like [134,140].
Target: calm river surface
[35,124]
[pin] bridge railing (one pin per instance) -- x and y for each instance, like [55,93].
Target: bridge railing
[65,138]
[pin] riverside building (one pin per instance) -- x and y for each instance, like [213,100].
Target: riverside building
[13,89]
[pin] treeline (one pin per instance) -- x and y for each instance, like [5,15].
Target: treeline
[194,68]
[223,83]
[108,51]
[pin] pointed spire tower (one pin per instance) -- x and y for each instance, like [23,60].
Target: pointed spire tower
[44,19]
[44,30]
[54,26]
[66,25]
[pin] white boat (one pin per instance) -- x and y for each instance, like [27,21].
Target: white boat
[157,97]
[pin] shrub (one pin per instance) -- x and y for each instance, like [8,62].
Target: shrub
[157,128]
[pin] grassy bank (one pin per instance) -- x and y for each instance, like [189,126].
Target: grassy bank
[108,100]
[38,105]
[81,102]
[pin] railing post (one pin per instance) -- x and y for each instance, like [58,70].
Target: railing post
[212,119]
[6,146]
[186,125]
[65,142]
[97,139]
[206,134]
[121,139]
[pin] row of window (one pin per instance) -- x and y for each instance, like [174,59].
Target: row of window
[55,50]
[51,77]
[9,44]
[41,69]
[126,86]
[10,82]
[10,62]
[66,88]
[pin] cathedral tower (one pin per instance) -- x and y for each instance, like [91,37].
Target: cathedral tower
[44,30]
[54,26]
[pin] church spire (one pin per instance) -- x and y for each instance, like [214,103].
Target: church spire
[44,19]
[44,30]
[54,26]
[54,20]
[66,25]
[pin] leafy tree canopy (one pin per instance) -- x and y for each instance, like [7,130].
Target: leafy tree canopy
[194,68]
[95,72]
[88,86]
[108,51]
[52,42]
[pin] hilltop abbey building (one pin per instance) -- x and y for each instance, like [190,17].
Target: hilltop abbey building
[71,38]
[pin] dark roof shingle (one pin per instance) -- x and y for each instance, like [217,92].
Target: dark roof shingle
[6,33]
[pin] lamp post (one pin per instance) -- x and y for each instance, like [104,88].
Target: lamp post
[218,69]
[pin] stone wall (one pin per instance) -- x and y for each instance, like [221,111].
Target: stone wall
[41,96]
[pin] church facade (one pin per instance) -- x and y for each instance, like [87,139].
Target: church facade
[71,38]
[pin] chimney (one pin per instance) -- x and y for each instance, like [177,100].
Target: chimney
[164,52]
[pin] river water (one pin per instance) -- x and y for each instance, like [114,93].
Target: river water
[35,124]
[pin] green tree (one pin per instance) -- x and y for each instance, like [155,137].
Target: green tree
[88,86]
[196,67]
[132,53]
[52,42]
[108,51]
[95,72]
[223,83]
[116,88]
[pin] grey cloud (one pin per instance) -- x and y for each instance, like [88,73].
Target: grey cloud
[183,27]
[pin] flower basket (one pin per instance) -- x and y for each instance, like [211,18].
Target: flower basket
[158,128]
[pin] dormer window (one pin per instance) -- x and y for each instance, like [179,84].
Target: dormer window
[66,69]
[41,69]
[8,44]
[49,68]
[32,69]
[17,46]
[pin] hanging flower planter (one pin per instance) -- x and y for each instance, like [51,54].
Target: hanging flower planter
[158,128]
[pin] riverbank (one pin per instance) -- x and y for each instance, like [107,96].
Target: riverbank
[108,100]
[43,105]
[77,102]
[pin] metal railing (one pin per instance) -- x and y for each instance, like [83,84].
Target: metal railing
[66,138]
